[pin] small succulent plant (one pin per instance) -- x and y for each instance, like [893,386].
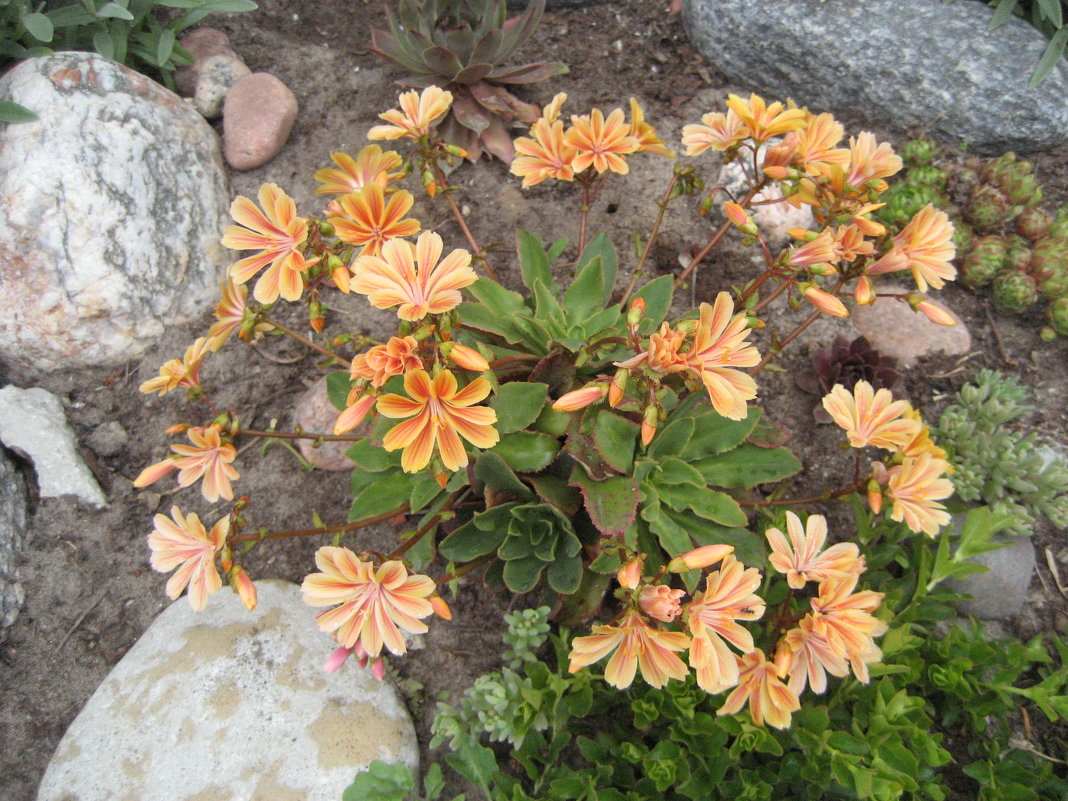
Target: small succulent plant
[983,262]
[464,46]
[1014,292]
[918,152]
[1058,316]
[1034,223]
[846,363]
[995,462]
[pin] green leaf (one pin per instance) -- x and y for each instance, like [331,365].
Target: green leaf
[424,489]
[1051,10]
[521,575]
[103,44]
[714,433]
[479,536]
[13,112]
[493,470]
[1002,12]
[381,782]
[747,465]
[527,451]
[583,297]
[373,458]
[518,405]
[611,504]
[564,574]
[555,491]
[719,507]
[433,782]
[533,262]
[672,438]
[476,763]
[657,296]
[39,26]
[165,46]
[615,437]
[748,547]
[1051,57]
[547,309]
[676,471]
[601,246]
[338,385]
[114,11]
[674,539]
[382,496]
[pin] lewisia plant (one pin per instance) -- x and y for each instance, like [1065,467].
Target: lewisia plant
[579,434]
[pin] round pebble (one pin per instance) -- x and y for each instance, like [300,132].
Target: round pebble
[258,115]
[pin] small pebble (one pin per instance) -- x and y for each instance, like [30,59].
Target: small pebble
[201,44]
[108,439]
[258,115]
[217,76]
[316,415]
[894,329]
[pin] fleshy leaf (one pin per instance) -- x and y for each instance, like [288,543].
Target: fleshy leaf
[527,451]
[565,574]
[521,575]
[748,465]
[493,470]
[615,437]
[518,405]
[716,434]
[382,496]
[611,504]
[719,507]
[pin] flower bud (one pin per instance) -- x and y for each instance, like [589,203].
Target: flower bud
[661,602]
[226,559]
[631,573]
[243,586]
[635,312]
[580,398]
[337,659]
[824,301]
[378,668]
[354,415]
[735,213]
[326,229]
[618,386]
[441,609]
[177,428]
[936,314]
[864,292]
[649,423]
[316,316]
[455,150]
[875,496]
[699,558]
[465,357]
[777,172]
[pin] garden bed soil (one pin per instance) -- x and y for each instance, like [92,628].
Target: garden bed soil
[89,590]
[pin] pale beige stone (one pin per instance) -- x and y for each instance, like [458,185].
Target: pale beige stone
[315,414]
[258,115]
[894,329]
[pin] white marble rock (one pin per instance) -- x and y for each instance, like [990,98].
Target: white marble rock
[112,205]
[230,705]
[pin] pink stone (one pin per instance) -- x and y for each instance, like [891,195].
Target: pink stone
[258,115]
[201,44]
[316,415]
[894,329]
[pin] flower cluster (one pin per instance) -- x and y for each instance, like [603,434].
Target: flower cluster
[836,635]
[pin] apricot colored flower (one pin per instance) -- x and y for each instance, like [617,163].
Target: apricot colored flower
[182,542]
[922,442]
[717,131]
[758,683]
[580,398]
[441,416]
[661,602]
[382,362]
[357,409]
[544,155]
[817,142]
[372,605]
[230,314]
[371,165]
[278,233]
[822,249]
[637,645]
[208,458]
[869,417]
[412,278]
[915,487]
[845,619]
[718,348]
[365,219]
[925,247]
[806,656]
[418,113]
[600,142]
[662,353]
[869,159]
[762,121]
[803,558]
[712,616]
[184,372]
[648,141]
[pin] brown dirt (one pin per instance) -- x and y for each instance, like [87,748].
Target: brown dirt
[90,592]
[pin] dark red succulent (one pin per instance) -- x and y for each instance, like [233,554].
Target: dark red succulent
[846,363]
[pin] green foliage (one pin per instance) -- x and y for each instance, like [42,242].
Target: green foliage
[131,32]
[1049,16]
[1013,472]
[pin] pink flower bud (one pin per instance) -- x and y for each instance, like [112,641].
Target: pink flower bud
[468,358]
[630,574]
[354,415]
[699,558]
[825,301]
[441,609]
[864,292]
[337,659]
[776,172]
[378,668]
[245,589]
[661,602]
[580,398]
[735,213]
[154,472]
[936,314]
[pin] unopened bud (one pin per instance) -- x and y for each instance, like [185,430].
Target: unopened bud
[631,573]
[455,150]
[700,558]
[649,422]
[705,207]
[243,586]
[354,414]
[778,172]
[935,313]
[316,316]
[465,357]
[661,602]
[875,496]
[326,229]
[580,398]
[177,428]
[824,301]
[618,386]
[823,268]
[1047,334]
[226,559]
[735,213]
[802,234]
[635,312]
[864,292]
[441,609]
[442,478]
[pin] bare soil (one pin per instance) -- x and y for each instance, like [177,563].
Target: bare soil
[90,592]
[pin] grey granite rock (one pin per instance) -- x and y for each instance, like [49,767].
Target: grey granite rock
[13,519]
[1002,591]
[228,704]
[112,204]
[901,64]
[33,421]
[216,76]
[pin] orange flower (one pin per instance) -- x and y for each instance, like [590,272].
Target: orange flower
[870,160]
[467,358]
[411,277]
[418,113]
[230,313]
[769,699]
[922,442]
[372,604]
[718,131]
[442,415]
[183,543]
[371,165]
[357,409]
[661,602]
[184,372]
[869,417]
[648,141]
[601,142]
[365,218]
[718,347]
[845,619]
[801,560]
[823,249]
[806,656]
[763,121]
[636,645]
[662,353]
[711,617]
[544,155]
[924,246]
[207,457]
[816,145]
[382,362]
[916,486]
[278,233]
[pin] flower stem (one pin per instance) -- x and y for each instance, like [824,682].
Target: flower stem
[308,532]
[856,486]
[426,527]
[463,571]
[251,432]
[305,341]
[653,234]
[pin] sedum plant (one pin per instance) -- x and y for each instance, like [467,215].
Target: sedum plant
[465,46]
[584,441]
[995,462]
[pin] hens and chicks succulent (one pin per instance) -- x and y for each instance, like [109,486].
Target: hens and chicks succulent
[1006,242]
